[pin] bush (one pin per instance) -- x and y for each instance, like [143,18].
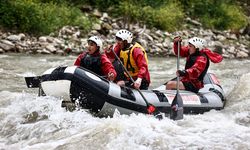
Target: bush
[40,18]
[165,17]
[226,19]
[169,17]
[217,14]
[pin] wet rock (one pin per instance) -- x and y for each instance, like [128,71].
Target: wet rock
[57,41]
[231,50]
[51,48]
[34,117]
[97,13]
[148,37]
[218,46]
[96,27]
[22,36]
[220,37]
[14,38]
[241,54]
[7,45]
[232,37]
[44,51]
[42,39]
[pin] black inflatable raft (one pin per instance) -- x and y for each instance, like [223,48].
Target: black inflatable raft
[102,97]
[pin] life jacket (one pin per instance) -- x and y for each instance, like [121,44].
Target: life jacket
[126,56]
[92,63]
[191,59]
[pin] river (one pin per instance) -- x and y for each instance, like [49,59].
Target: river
[29,122]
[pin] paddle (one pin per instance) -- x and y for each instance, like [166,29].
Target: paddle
[176,112]
[150,107]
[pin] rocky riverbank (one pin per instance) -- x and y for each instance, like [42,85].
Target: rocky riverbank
[70,40]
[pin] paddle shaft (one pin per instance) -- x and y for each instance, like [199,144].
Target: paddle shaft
[178,66]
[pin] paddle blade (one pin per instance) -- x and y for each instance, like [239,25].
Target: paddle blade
[32,82]
[152,110]
[176,112]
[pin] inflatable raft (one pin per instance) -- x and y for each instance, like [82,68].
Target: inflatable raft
[89,91]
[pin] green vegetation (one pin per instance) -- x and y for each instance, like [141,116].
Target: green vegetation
[217,14]
[40,18]
[46,16]
[160,17]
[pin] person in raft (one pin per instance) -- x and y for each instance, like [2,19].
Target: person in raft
[95,60]
[197,63]
[134,59]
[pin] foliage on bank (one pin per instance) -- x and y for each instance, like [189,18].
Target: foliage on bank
[36,17]
[217,14]
[169,14]
[161,17]
[45,16]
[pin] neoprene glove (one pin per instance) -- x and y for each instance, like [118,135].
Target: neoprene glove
[182,73]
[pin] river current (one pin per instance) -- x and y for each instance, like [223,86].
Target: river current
[29,122]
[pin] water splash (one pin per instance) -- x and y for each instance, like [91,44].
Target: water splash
[239,97]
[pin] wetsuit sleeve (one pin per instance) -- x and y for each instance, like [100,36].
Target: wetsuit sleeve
[141,62]
[183,50]
[106,66]
[199,66]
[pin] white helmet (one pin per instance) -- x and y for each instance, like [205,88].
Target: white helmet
[97,41]
[197,42]
[125,35]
